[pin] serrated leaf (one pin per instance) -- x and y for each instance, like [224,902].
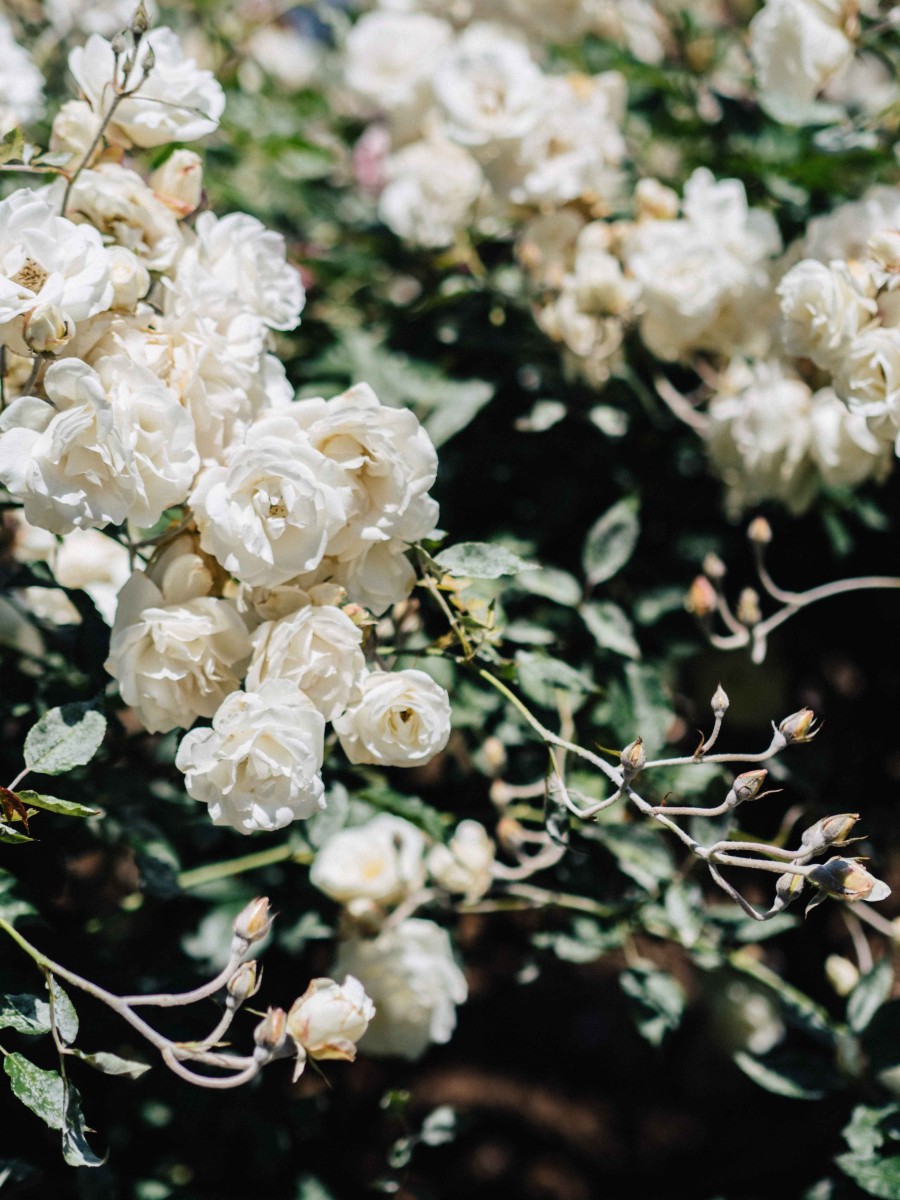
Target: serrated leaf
[41,1091]
[64,738]
[640,851]
[787,1073]
[11,837]
[479,560]
[869,995]
[875,1176]
[65,808]
[541,676]
[610,628]
[552,584]
[111,1064]
[75,1148]
[657,1001]
[64,1013]
[611,541]
[25,1014]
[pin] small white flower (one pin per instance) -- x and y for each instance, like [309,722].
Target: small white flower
[796,47]
[390,59]
[316,648]
[329,1018]
[411,976]
[465,863]
[258,767]
[179,182]
[402,719]
[177,101]
[868,374]
[430,190]
[823,310]
[21,83]
[381,861]
[377,579]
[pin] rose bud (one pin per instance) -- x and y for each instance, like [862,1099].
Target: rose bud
[701,598]
[633,758]
[251,924]
[798,726]
[719,703]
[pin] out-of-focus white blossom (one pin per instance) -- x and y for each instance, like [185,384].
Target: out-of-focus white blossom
[401,719]
[21,83]
[796,47]
[430,190]
[258,767]
[411,976]
[823,308]
[179,182]
[465,863]
[175,101]
[382,861]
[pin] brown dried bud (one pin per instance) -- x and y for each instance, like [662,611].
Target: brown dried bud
[244,983]
[798,727]
[759,531]
[848,879]
[633,757]
[719,703]
[271,1034]
[830,831]
[252,924]
[701,598]
[748,609]
[746,787]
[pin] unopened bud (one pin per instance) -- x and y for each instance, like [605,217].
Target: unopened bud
[244,983]
[788,888]
[848,879]
[701,598]
[746,787]
[47,329]
[798,727]
[841,973]
[759,531]
[118,44]
[149,61]
[655,201]
[830,831]
[633,758]
[179,182]
[719,703]
[714,567]
[140,22]
[748,610]
[493,752]
[252,924]
[362,917]
[271,1035]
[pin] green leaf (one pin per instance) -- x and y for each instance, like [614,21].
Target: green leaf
[12,906]
[41,1091]
[552,584]
[541,676]
[12,146]
[650,704]
[657,1001]
[310,1188]
[640,851]
[111,1064]
[64,1012]
[610,628]
[875,1176]
[66,808]
[75,1148]
[25,1014]
[865,1134]
[411,808]
[798,1008]
[479,560]
[611,541]
[788,1073]
[869,995]
[684,908]
[11,837]
[587,941]
[64,738]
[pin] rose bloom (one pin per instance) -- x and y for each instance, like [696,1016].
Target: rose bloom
[402,719]
[259,765]
[430,191]
[47,263]
[21,83]
[465,864]
[317,649]
[66,461]
[823,309]
[271,512]
[796,47]
[377,579]
[411,976]
[329,1018]
[381,861]
[175,651]
[177,102]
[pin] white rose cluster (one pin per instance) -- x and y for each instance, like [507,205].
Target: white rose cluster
[378,871]
[144,407]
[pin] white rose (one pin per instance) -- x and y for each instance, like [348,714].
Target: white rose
[490,90]
[823,310]
[599,283]
[175,656]
[316,648]
[388,459]
[759,436]
[66,460]
[844,447]
[402,719]
[75,128]
[177,102]
[546,246]
[129,277]
[21,83]
[414,982]
[99,565]
[430,190]
[844,232]
[258,767]
[329,1018]
[381,861]
[292,58]
[377,579]
[46,260]
[271,512]
[93,16]
[465,864]
[390,60]
[247,266]
[158,432]
[796,47]
[867,376]
[179,182]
